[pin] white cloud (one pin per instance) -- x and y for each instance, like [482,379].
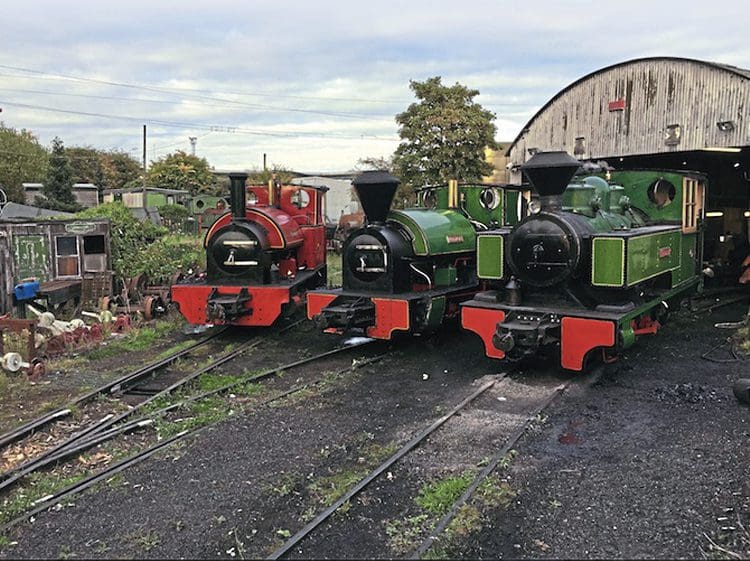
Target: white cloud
[275,66]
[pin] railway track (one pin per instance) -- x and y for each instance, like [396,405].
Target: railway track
[510,437]
[129,379]
[123,389]
[106,430]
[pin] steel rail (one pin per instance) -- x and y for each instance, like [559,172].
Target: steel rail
[30,427]
[49,501]
[482,475]
[43,459]
[77,443]
[405,449]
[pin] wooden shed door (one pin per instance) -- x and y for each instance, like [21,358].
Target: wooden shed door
[31,253]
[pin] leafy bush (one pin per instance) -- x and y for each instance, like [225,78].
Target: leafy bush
[129,236]
[173,216]
[169,255]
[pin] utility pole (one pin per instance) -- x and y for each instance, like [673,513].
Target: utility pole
[193,142]
[144,169]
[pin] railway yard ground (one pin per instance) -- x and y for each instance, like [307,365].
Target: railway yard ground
[646,457]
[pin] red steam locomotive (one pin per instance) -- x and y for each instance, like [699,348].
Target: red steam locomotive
[261,257]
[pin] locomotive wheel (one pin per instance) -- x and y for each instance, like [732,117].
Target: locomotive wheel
[742,390]
[149,308]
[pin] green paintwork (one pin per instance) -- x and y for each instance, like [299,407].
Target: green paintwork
[643,255]
[436,232]
[490,256]
[646,256]
[608,262]
[471,204]
[31,256]
[636,185]
[445,276]
[437,311]
[627,336]
[689,259]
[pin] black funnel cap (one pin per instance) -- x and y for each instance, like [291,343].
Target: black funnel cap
[375,190]
[550,172]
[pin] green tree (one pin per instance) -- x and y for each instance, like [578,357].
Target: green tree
[22,159]
[261,177]
[375,163]
[86,164]
[58,185]
[443,135]
[182,171]
[119,169]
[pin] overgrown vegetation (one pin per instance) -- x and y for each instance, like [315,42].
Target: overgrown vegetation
[434,500]
[142,247]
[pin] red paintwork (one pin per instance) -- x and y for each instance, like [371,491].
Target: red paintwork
[266,302]
[646,326]
[297,237]
[316,302]
[579,335]
[390,315]
[313,251]
[483,322]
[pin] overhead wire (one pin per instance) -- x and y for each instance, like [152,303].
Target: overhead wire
[201,126]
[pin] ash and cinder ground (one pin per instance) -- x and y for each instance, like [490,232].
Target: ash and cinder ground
[649,461]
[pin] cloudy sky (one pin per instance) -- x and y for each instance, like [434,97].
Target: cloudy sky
[316,84]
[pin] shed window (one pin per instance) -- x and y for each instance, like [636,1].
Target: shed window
[94,254]
[67,256]
[93,244]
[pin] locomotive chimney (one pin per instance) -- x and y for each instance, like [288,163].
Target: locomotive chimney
[375,190]
[237,194]
[549,174]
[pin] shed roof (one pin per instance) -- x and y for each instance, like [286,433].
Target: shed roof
[733,70]
[15,211]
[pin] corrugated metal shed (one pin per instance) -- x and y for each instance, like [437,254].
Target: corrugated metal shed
[657,105]
[340,198]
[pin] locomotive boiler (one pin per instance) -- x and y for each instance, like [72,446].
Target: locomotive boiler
[407,270]
[261,258]
[600,264]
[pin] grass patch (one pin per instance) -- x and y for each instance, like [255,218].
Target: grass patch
[434,501]
[211,382]
[143,538]
[402,534]
[39,485]
[204,412]
[437,497]
[4,383]
[137,339]
[327,490]
[333,266]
